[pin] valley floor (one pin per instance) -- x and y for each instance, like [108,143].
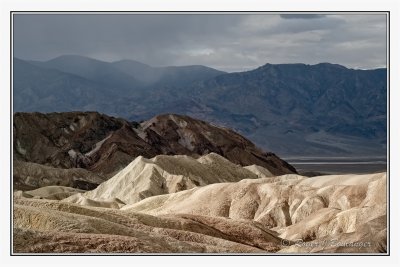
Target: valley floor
[339,165]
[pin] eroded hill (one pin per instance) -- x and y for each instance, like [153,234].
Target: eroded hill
[104,145]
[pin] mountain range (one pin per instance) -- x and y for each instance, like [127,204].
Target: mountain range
[291,109]
[123,157]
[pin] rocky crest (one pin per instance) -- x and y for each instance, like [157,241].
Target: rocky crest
[104,145]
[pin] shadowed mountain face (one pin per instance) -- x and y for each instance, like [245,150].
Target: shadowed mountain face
[294,109]
[291,109]
[104,145]
[46,90]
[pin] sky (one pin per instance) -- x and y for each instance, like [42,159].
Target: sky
[222,41]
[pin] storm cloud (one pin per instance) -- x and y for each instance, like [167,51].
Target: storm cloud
[301,16]
[230,42]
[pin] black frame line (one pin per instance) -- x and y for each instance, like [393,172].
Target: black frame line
[170,12]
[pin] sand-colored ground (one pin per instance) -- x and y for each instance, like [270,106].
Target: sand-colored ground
[177,204]
[29,175]
[53,192]
[165,174]
[49,226]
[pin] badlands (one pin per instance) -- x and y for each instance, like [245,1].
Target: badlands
[206,204]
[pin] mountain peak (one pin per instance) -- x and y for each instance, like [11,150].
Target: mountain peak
[327,64]
[322,64]
[130,62]
[72,57]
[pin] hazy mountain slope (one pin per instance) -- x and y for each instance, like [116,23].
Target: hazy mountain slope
[71,83]
[166,76]
[95,70]
[140,71]
[48,90]
[126,76]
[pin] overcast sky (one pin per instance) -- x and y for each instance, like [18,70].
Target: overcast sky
[225,42]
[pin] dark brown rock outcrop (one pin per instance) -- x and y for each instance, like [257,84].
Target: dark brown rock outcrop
[178,134]
[104,145]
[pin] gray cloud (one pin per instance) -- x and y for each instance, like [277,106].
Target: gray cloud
[301,16]
[228,42]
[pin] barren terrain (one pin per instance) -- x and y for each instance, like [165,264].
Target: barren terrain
[177,204]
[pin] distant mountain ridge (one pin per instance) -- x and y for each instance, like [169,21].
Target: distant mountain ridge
[127,74]
[91,69]
[322,107]
[292,109]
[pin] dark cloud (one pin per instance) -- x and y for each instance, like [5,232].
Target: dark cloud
[301,16]
[228,42]
[305,25]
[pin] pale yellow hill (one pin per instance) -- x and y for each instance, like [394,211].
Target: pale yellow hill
[164,174]
[261,172]
[50,192]
[181,204]
[47,226]
[294,206]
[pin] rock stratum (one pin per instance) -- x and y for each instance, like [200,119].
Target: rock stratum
[83,149]
[180,204]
